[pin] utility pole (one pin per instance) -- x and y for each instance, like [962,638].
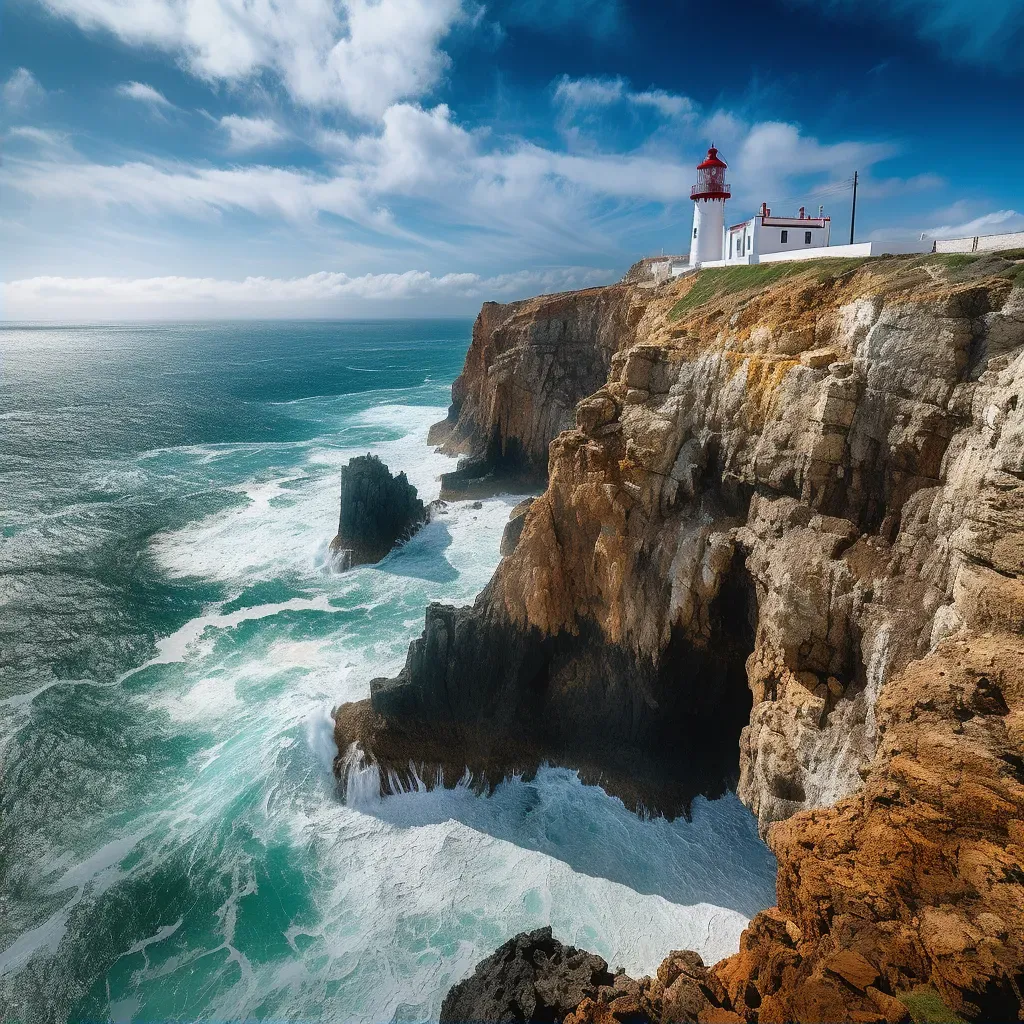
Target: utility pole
[853,209]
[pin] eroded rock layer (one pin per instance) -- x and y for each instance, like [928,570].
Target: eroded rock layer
[788,523]
[529,364]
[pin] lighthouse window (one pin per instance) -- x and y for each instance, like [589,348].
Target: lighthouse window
[694,232]
[807,238]
[785,236]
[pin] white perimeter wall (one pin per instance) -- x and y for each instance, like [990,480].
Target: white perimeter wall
[857,249]
[981,243]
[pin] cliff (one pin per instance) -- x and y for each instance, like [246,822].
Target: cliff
[780,547]
[527,367]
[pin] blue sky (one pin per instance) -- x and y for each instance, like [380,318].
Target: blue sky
[402,157]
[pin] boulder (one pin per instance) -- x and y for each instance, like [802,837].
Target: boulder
[532,977]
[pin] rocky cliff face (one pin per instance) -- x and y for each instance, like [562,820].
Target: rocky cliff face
[528,365]
[781,546]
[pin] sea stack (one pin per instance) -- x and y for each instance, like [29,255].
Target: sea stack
[377,511]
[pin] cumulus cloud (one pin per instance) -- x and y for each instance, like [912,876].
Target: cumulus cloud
[525,200]
[245,133]
[257,296]
[356,55]
[142,93]
[776,149]
[21,90]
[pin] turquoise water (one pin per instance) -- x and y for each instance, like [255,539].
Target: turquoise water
[172,641]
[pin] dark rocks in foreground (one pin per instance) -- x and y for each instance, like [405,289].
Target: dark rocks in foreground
[377,511]
[533,977]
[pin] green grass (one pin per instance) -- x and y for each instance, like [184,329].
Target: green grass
[926,1006]
[716,281]
[953,260]
[1015,274]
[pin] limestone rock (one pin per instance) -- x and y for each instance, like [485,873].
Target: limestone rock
[528,366]
[787,523]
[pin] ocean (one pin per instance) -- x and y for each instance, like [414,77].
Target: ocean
[173,846]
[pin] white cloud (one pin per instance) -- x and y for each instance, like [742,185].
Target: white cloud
[357,55]
[576,94]
[45,297]
[245,133]
[668,104]
[954,221]
[142,93]
[21,90]
[775,150]
[502,196]
[589,92]
[993,223]
[886,188]
[42,137]
[190,191]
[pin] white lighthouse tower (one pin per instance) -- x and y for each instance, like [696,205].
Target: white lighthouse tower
[709,196]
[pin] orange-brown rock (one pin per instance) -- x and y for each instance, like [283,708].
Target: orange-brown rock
[787,523]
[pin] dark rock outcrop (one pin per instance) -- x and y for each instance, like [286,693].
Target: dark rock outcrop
[377,511]
[480,692]
[533,977]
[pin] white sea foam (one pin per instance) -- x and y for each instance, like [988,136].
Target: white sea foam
[294,514]
[399,897]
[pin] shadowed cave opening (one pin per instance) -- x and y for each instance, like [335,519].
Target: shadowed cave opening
[480,692]
[669,726]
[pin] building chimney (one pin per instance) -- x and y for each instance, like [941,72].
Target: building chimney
[764,209]
[801,213]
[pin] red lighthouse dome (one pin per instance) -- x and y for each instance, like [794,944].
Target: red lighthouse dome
[711,182]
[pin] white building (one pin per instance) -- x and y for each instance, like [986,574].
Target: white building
[764,238]
[764,233]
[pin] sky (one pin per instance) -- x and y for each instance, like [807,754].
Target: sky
[261,158]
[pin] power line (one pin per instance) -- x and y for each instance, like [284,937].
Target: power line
[833,188]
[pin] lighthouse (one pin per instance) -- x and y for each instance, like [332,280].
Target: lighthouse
[709,196]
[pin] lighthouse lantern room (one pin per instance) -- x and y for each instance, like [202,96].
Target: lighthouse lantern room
[709,196]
